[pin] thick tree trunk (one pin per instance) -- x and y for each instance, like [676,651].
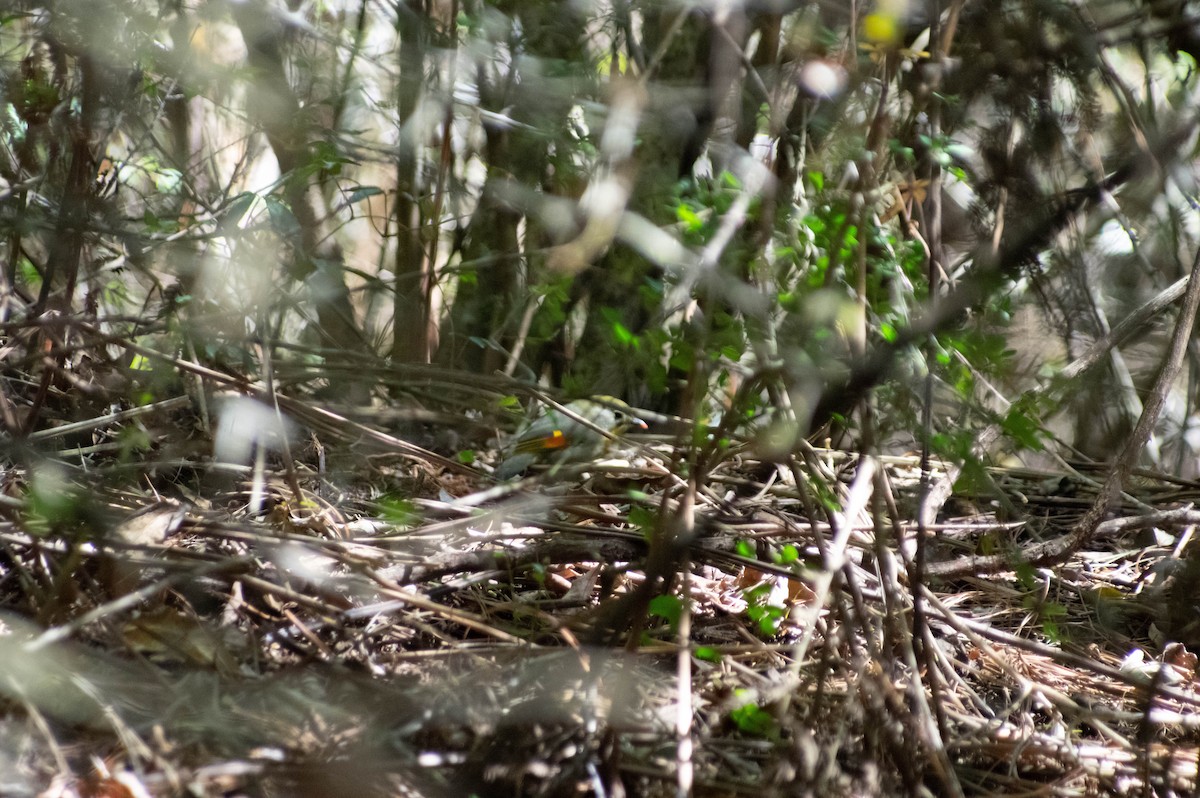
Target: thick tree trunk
[317,260]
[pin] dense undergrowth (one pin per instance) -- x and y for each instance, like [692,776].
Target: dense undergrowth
[901,292]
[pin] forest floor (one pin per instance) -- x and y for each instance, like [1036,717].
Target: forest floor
[352,615]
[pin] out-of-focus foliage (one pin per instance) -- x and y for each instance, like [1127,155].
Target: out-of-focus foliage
[279,278]
[755,214]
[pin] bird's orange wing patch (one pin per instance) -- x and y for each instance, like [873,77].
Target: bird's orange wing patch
[555,440]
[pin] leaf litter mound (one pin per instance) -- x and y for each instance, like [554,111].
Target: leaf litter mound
[343,610]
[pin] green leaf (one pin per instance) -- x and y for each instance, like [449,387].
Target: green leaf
[538,571]
[362,192]
[1026,575]
[768,618]
[399,512]
[707,654]
[1023,429]
[644,519]
[237,208]
[623,336]
[282,218]
[52,498]
[670,608]
[754,720]
[690,219]
[133,439]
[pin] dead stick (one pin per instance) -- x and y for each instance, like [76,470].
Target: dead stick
[1055,551]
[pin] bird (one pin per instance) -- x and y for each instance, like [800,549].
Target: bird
[558,437]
